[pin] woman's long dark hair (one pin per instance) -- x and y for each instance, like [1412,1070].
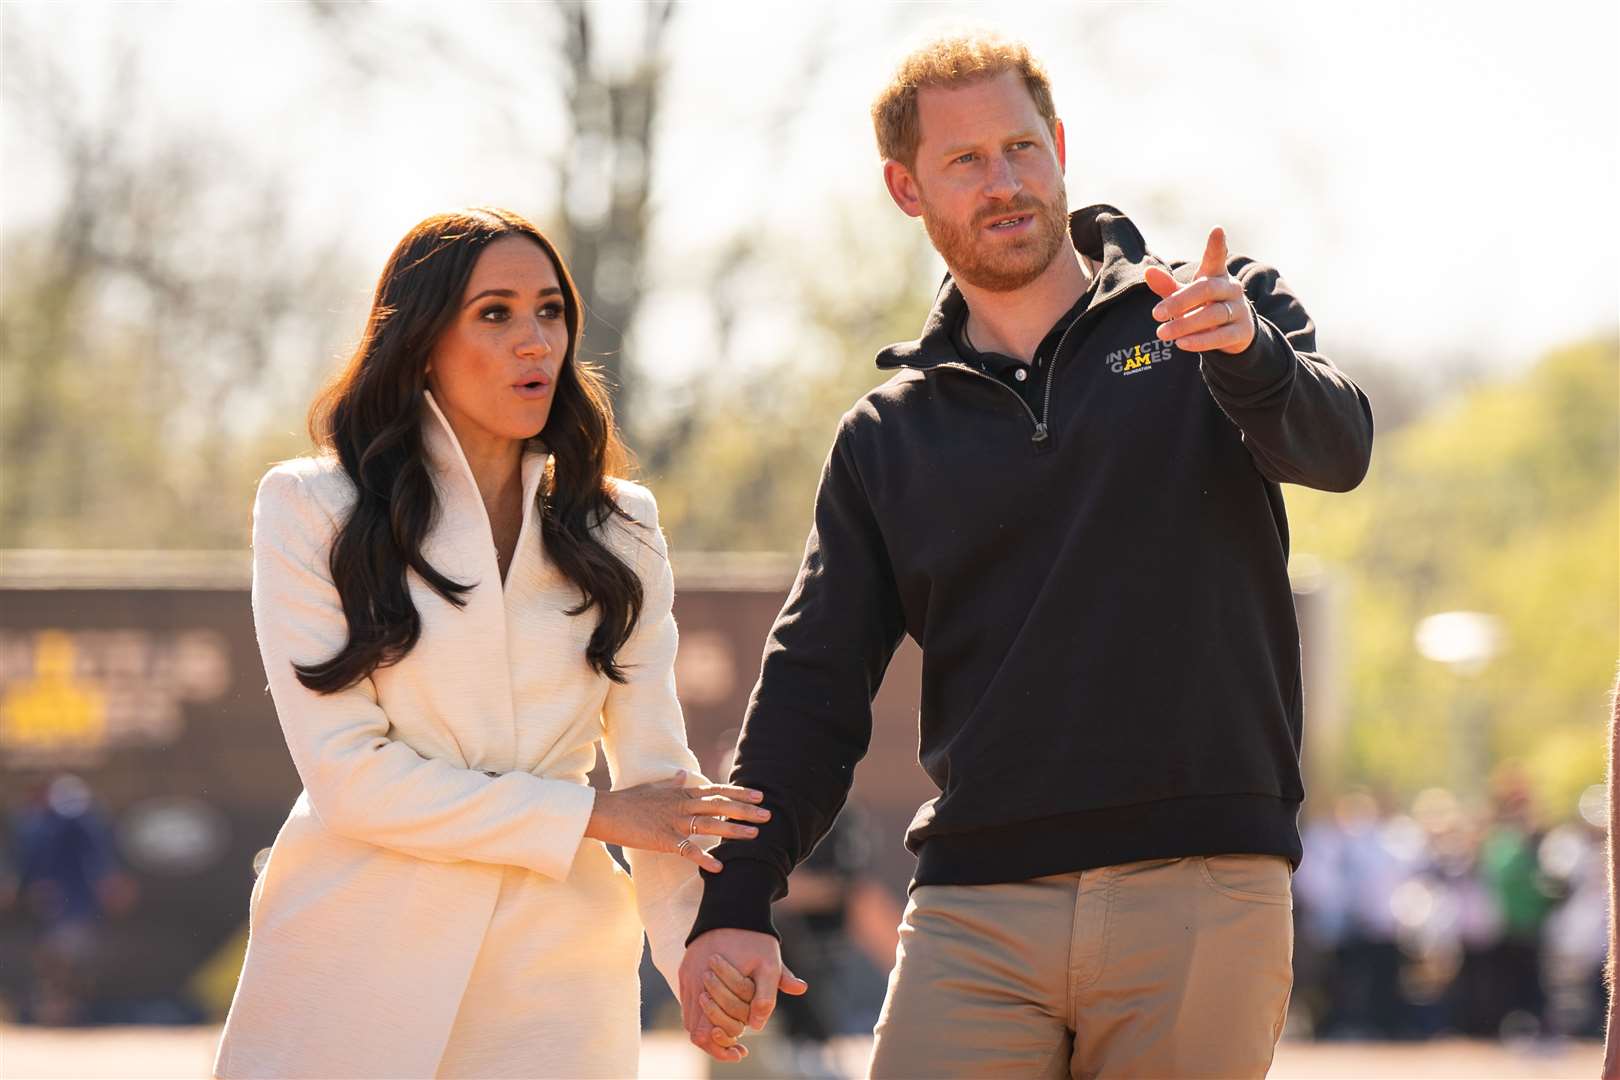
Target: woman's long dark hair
[369,416]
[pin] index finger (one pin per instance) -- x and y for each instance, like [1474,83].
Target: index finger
[729,791]
[1214,262]
[1201,292]
[735,981]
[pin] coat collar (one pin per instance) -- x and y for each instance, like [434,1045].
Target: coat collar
[449,462]
[1100,232]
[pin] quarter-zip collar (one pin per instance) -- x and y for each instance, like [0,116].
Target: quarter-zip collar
[449,462]
[1099,232]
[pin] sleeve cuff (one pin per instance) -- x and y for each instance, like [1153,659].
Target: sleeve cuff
[1267,361]
[567,813]
[739,897]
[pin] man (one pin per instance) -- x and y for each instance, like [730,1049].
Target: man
[1068,495]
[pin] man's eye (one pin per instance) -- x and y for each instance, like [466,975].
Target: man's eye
[965,158]
[1024,145]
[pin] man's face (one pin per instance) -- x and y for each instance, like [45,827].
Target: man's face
[987,182]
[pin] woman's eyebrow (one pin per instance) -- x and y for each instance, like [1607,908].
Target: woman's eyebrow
[511,294]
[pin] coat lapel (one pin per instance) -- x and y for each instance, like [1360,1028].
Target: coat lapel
[463,657]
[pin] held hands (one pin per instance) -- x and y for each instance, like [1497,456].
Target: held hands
[667,816]
[1211,314]
[728,982]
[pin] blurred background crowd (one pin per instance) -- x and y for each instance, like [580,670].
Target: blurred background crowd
[198,199]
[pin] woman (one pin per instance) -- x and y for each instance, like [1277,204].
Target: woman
[455,602]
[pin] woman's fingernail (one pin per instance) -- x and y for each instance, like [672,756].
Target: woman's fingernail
[1159,312]
[749,830]
[756,795]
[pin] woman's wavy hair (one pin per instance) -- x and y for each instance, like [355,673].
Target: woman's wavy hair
[370,416]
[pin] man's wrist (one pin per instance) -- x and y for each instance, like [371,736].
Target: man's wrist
[739,897]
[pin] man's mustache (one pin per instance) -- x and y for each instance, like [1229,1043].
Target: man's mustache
[1024,205]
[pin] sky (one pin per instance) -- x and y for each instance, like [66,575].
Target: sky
[1435,181]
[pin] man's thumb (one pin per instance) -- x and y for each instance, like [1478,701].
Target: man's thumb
[790,983]
[1160,282]
[764,1003]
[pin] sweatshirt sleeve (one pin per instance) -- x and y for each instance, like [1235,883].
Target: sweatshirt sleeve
[644,739]
[1303,420]
[361,783]
[809,720]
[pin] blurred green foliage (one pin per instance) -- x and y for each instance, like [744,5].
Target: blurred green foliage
[1505,501]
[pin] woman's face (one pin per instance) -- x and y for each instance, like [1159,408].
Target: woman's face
[494,370]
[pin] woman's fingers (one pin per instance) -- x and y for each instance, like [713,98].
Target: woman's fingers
[724,1022]
[721,995]
[741,986]
[692,853]
[731,830]
[726,808]
[730,791]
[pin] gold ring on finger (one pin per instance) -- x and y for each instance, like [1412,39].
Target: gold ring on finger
[682,847]
[693,830]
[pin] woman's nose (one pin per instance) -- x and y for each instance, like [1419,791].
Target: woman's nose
[535,342]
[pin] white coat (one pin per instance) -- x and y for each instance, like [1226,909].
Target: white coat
[430,906]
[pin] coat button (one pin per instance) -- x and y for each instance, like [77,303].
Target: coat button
[1021,374]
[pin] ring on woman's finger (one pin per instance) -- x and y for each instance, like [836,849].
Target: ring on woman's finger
[693,830]
[682,847]
[1228,307]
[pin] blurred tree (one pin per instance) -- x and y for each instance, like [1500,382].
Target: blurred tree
[600,168]
[1507,502]
[139,324]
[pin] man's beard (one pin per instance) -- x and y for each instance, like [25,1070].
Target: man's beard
[976,258]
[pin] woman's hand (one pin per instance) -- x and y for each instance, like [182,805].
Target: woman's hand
[667,816]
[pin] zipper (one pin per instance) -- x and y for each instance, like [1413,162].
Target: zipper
[1041,422]
[1042,428]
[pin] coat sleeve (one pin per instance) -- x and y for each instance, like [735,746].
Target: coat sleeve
[1303,420]
[809,721]
[361,783]
[644,739]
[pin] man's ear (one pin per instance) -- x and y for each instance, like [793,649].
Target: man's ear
[1060,144]
[902,187]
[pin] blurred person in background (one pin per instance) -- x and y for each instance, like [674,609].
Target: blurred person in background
[1367,1002]
[1510,867]
[456,600]
[69,880]
[1069,496]
[1575,936]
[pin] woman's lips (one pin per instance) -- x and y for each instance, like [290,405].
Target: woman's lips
[533,390]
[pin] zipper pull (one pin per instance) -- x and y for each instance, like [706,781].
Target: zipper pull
[1040,432]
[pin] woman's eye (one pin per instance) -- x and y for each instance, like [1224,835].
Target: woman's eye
[496,313]
[551,311]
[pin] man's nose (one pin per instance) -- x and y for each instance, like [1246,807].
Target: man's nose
[1002,181]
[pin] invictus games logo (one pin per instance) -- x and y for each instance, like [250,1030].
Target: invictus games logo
[1139,358]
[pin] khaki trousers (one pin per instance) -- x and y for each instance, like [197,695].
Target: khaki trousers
[1162,968]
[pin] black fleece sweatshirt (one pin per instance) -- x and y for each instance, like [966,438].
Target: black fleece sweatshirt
[1098,583]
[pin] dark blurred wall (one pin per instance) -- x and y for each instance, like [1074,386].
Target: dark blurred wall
[139,673]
